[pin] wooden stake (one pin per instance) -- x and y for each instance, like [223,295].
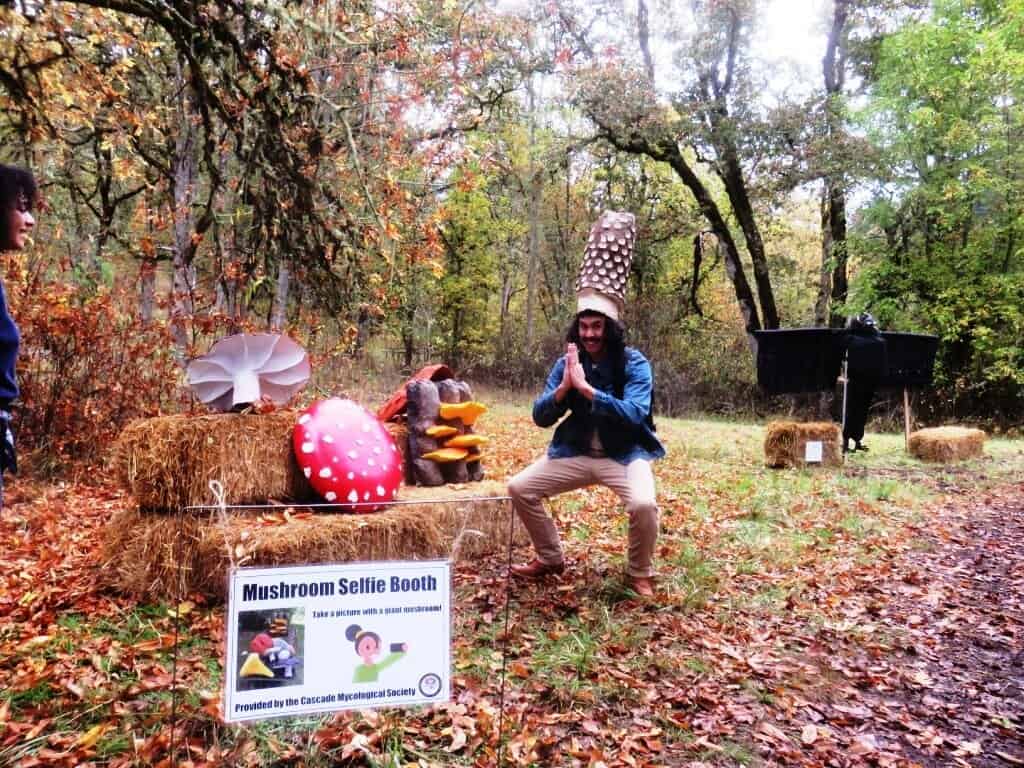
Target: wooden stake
[906,418]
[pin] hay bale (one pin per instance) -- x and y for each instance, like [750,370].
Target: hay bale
[168,462]
[785,443]
[399,430]
[946,444]
[162,557]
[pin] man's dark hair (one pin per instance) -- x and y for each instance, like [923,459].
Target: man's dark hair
[17,187]
[614,342]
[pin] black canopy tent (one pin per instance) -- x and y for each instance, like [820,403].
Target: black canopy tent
[798,360]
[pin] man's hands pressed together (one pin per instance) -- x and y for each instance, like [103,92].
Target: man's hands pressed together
[573,376]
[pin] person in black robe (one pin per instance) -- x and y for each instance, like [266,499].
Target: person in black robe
[865,366]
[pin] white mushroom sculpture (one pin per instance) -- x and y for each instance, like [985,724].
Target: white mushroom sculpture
[239,370]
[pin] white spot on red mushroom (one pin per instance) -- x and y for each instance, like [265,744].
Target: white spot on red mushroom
[353,496]
[380,490]
[328,439]
[304,418]
[366,496]
[351,475]
[325,472]
[330,495]
[308,447]
[371,462]
[307,471]
[353,454]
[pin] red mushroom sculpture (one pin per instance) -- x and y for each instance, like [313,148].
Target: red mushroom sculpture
[347,455]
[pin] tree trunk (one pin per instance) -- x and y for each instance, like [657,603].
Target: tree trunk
[731,174]
[825,269]
[833,220]
[279,314]
[533,248]
[644,36]
[837,232]
[709,208]
[147,289]
[183,191]
[507,290]
[739,198]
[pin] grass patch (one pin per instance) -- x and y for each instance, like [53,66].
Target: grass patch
[859,526]
[565,658]
[113,744]
[691,577]
[581,532]
[29,698]
[733,751]
[136,625]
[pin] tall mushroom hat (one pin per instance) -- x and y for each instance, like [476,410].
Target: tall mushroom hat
[601,283]
[240,369]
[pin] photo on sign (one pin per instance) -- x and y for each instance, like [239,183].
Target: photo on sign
[270,644]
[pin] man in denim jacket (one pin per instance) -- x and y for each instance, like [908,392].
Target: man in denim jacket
[607,438]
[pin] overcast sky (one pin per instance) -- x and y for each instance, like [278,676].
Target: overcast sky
[792,32]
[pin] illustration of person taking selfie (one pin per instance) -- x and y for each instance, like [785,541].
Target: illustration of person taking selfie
[368,648]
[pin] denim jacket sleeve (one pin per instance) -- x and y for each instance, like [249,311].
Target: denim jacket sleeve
[546,410]
[636,396]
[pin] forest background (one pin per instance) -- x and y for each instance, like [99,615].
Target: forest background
[399,182]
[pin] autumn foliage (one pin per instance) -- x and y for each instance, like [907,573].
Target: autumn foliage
[86,368]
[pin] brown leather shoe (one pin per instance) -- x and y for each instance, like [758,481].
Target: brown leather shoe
[642,585]
[535,569]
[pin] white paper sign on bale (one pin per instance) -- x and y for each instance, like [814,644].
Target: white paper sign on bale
[813,452]
[321,638]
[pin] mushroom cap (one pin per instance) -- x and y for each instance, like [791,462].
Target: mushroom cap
[260,643]
[347,455]
[240,369]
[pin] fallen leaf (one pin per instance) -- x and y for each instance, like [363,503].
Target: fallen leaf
[969,748]
[864,744]
[1009,758]
[90,737]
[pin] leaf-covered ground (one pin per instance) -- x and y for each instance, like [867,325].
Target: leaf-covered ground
[864,616]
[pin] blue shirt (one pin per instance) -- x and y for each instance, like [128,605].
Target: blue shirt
[10,339]
[621,423]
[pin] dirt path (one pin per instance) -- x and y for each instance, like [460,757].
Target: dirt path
[932,671]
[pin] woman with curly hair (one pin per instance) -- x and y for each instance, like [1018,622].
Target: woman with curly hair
[18,195]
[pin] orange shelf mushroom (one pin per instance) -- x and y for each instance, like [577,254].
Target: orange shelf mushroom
[444,455]
[466,441]
[467,412]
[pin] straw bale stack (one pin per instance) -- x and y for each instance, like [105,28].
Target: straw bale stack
[168,462]
[168,557]
[946,444]
[785,443]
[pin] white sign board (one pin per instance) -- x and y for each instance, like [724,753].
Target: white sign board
[813,452]
[319,638]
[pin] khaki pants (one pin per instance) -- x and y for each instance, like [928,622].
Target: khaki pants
[634,484]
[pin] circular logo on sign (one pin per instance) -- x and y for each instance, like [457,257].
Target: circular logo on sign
[430,685]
